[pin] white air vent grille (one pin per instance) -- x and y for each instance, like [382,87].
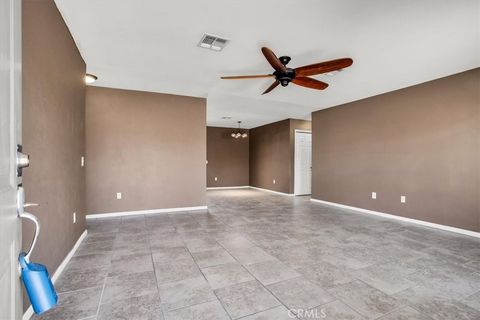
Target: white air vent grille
[212,42]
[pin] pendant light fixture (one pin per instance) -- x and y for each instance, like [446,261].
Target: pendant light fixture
[239,133]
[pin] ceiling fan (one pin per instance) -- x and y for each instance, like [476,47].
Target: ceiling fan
[300,76]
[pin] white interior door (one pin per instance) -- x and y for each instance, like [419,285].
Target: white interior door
[303,163]
[10,129]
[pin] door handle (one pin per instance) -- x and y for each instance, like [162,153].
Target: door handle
[23,160]
[31,217]
[21,205]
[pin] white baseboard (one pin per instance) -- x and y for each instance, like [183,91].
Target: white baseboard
[29,312]
[226,188]
[277,192]
[250,187]
[69,256]
[395,217]
[139,212]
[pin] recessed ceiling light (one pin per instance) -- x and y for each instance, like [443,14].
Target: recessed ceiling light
[90,78]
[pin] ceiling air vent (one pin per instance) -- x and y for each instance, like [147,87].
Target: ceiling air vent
[212,42]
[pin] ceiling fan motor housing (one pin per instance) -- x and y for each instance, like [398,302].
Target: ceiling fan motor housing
[284,77]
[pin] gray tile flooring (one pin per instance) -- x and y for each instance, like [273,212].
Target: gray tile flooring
[256,255]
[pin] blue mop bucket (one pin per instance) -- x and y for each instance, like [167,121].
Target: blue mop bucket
[38,284]
[35,276]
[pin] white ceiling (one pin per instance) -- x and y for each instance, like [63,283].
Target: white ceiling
[151,45]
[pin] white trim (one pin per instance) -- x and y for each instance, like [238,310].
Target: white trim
[29,312]
[134,213]
[69,256]
[395,217]
[303,131]
[277,192]
[225,188]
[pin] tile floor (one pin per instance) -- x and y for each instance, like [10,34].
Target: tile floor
[256,255]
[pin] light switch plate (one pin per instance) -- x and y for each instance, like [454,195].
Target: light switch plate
[119,195]
[374,195]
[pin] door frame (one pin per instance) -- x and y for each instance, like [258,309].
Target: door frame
[294,160]
[10,296]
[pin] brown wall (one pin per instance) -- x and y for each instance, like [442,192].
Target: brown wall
[227,158]
[53,131]
[271,154]
[422,142]
[149,146]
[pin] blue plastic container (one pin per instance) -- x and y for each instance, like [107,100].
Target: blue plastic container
[38,285]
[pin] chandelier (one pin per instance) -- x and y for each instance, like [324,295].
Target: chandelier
[239,133]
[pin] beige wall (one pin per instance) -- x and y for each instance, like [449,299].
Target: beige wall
[149,146]
[53,131]
[271,154]
[227,158]
[422,142]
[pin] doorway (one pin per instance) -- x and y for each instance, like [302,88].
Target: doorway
[303,163]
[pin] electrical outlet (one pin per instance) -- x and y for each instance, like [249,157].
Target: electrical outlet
[74,217]
[403,199]
[82,161]
[119,195]
[274,181]
[216,179]
[374,195]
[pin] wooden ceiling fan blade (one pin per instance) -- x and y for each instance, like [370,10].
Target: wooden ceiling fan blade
[249,76]
[273,60]
[310,83]
[272,86]
[323,67]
